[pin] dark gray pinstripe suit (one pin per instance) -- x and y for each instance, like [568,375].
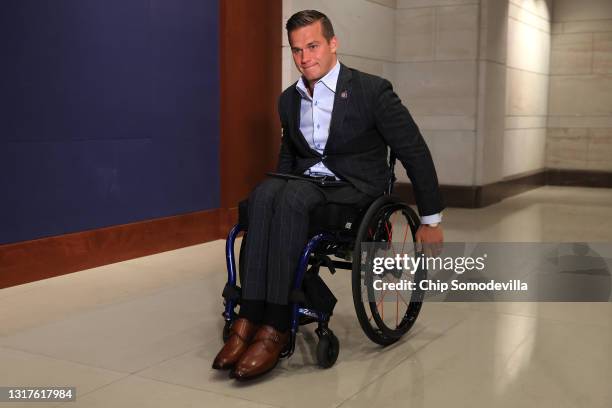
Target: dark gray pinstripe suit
[367,117]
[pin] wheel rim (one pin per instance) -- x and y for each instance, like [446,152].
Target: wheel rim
[387,315]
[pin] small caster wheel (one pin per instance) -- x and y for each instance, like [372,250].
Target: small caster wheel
[226,331]
[327,350]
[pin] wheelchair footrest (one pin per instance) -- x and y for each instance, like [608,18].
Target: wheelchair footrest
[314,294]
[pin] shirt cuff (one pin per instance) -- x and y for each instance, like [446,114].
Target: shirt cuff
[431,219]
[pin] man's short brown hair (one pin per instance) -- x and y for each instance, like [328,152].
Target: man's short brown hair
[307,17]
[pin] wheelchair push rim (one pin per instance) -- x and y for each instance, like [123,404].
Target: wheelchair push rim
[390,224]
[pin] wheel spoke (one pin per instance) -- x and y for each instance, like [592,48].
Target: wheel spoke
[397,280]
[389,234]
[405,236]
[403,300]
[396,308]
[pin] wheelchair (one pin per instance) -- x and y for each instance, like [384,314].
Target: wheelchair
[343,232]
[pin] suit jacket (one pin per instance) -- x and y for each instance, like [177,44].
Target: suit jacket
[367,117]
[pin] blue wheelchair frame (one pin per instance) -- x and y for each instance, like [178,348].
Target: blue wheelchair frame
[297,311]
[231,298]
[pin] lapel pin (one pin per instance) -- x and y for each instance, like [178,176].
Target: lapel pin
[344,95]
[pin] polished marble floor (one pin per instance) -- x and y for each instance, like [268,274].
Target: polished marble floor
[143,333]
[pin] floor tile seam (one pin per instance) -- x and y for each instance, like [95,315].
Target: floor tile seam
[89,309]
[507,360]
[572,367]
[183,353]
[63,360]
[96,389]
[529,336]
[125,375]
[400,361]
[168,287]
[69,314]
[134,262]
[207,390]
[474,387]
[122,264]
[551,319]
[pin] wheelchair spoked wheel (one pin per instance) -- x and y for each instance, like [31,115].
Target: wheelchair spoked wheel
[385,316]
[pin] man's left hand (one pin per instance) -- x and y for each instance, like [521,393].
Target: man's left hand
[431,239]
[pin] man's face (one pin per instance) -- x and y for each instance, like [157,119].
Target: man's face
[313,55]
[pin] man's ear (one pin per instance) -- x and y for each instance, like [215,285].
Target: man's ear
[333,44]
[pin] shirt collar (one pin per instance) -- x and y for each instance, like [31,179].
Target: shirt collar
[330,80]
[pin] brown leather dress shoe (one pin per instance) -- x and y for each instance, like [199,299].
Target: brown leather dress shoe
[262,355]
[241,333]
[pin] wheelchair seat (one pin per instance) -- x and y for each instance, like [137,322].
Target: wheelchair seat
[336,218]
[331,217]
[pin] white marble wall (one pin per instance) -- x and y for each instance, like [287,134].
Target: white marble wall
[527,81]
[436,75]
[580,109]
[491,110]
[497,87]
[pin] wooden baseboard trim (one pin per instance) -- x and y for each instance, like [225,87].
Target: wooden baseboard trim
[495,192]
[229,218]
[482,196]
[454,196]
[579,178]
[38,259]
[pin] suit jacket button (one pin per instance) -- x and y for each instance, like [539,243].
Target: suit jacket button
[324,157]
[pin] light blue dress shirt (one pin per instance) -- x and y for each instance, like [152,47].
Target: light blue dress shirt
[315,119]
[315,115]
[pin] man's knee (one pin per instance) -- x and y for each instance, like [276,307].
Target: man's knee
[267,190]
[299,196]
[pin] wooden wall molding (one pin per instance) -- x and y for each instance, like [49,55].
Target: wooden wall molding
[43,258]
[579,178]
[485,195]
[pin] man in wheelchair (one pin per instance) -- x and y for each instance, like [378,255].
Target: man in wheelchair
[337,124]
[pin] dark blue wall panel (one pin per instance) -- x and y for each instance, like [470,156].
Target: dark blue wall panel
[109,113]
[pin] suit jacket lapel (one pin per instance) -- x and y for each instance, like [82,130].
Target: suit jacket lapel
[341,101]
[295,120]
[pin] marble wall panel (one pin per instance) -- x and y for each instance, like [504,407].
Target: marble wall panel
[524,151]
[571,54]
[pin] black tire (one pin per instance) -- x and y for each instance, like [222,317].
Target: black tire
[372,229]
[328,349]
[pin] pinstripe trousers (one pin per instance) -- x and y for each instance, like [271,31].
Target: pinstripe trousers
[278,231]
